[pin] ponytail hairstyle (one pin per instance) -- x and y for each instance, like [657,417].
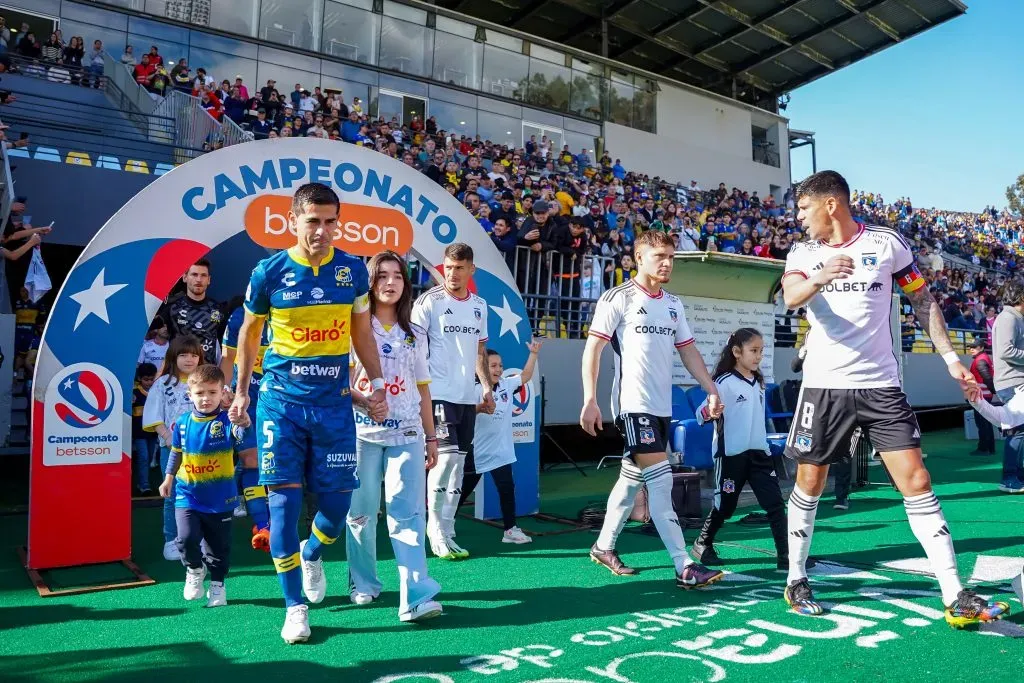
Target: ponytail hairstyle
[727,361]
[180,345]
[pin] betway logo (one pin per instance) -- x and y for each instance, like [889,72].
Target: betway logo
[365,420]
[311,370]
[332,332]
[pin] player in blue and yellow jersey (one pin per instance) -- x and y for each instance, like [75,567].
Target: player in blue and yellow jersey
[254,495]
[200,470]
[314,299]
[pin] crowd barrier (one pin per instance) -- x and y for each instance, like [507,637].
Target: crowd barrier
[790,330]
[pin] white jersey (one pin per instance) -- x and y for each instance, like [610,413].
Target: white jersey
[742,425]
[455,328]
[492,441]
[403,362]
[167,401]
[645,332]
[849,345]
[152,352]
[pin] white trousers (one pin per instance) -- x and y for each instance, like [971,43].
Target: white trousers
[403,472]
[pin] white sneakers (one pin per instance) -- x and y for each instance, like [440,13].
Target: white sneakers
[361,598]
[516,535]
[296,625]
[422,612]
[314,583]
[240,510]
[216,596]
[194,583]
[171,553]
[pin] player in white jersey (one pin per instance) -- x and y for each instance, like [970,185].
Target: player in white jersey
[455,320]
[646,327]
[398,450]
[844,276]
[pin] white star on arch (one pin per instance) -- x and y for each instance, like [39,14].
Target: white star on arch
[93,301]
[509,319]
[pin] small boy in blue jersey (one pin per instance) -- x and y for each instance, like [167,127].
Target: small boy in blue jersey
[201,469]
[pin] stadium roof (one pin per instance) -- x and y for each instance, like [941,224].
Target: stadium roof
[773,45]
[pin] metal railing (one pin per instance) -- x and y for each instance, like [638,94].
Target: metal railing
[232,133]
[195,130]
[790,330]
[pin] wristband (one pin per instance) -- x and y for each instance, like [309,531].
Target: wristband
[951,357]
[431,439]
[377,384]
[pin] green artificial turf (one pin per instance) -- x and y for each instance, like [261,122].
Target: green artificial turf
[544,612]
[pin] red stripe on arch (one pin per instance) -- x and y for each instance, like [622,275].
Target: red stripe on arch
[92,382]
[169,263]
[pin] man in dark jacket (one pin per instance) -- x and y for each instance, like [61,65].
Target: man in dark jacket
[981,368]
[505,239]
[569,273]
[542,234]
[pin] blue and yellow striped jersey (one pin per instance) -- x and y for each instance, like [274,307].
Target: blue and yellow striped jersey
[230,341]
[206,477]
[309,312]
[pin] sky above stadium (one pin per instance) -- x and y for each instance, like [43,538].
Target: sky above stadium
[936,118]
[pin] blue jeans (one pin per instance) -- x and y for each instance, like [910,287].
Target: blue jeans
[96,71]
[170,524]
[142,452]
[1013,453]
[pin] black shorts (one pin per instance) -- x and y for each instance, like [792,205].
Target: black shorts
[825,420]
[643,433]
[454,424]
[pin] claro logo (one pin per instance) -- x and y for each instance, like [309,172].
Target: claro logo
[362,230]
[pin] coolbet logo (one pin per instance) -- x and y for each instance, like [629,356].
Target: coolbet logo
[84,401]
[362,230]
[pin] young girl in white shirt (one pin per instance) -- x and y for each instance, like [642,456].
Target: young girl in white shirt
[167,401]
[493,448]
[397,451]
[740,446]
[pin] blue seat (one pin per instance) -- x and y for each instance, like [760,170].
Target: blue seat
[696,396]
[775,410]
[694,442]
[679,399]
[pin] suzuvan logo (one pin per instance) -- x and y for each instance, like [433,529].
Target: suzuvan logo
[362,230]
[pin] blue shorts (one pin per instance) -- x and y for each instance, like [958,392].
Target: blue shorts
[311,444]
[22,339]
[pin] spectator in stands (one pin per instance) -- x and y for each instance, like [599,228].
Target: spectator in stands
[144,72]
[234,106]
[29,47]
[261,127]
[52,49]
[5,35]
[181,79]
[74,53]
[128,58]
[94,64]
[981,368]
[155,58]
[203,80]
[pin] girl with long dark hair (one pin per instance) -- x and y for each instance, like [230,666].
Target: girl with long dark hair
[166,402]
[398,451]
[740,446]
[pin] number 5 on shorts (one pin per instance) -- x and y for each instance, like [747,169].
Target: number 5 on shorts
[268,432]
[807,416]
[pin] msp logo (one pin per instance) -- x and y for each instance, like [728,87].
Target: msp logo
[728,486]
[343,275]
[86,400]
[869,261]
[386,349]
[86,405]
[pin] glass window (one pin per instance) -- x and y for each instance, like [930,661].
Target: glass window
[295,23]
[585,94]
[504,41]
[620,103]
[228,46]
[406,47]
[457,60]
[549,85]
[290,59]
[454,27]
[351,33]
[223,66]
[158,29]
[546,119]
[578,141]
[499,107]
[502,130]
[644,108]
[455,119]
[454,96]
[93,15]
[592,130]
[345,72]
[403,85]
[286,78]
[235,16]
[547,54]
[50,8]
[404,12]
[505,73]
[113,41]
[349,90]
[171,51]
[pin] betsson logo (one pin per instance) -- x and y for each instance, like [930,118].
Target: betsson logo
[362,230]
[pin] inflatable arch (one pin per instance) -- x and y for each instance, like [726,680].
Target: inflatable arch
[81,405]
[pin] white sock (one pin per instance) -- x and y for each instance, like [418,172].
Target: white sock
[659,499]
[437,487]
[800,525]
[620,504]
[929,526]
[453,491]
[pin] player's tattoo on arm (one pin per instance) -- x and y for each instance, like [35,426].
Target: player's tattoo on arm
[928,312]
